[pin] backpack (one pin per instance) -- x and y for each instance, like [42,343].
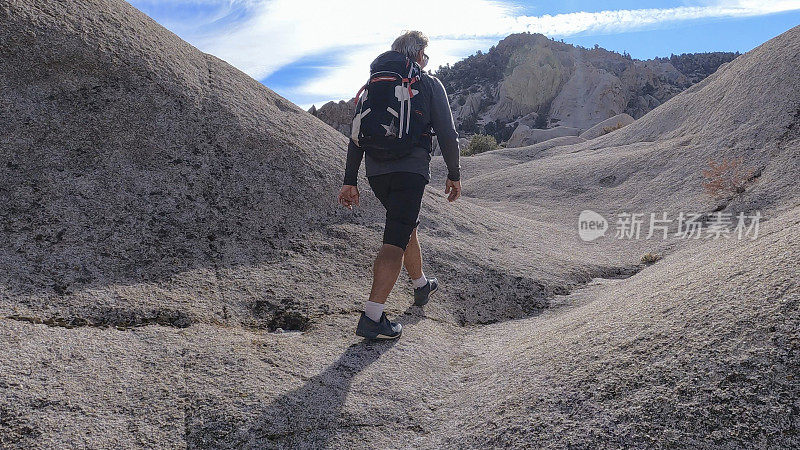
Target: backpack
[391,115]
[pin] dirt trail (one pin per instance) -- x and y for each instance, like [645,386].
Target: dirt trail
[594,363]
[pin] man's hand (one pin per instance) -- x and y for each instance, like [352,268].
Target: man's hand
[454,189]
[348,196]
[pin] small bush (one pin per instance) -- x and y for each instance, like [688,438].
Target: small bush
[650,258]
[726,178]
[480,143]
[607,130]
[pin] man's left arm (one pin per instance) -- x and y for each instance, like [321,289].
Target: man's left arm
[446,134]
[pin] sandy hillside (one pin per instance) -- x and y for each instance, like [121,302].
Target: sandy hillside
[165,217]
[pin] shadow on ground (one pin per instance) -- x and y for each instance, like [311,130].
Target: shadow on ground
[312,415]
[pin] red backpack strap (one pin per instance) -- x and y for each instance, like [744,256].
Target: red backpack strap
[359,93]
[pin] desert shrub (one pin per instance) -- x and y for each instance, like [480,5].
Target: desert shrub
[650,258]
[607,130]
[726,178]
[706,63]
[480,143]
[480,68]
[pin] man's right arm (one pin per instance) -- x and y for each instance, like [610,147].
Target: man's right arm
[354,156]
[348,195]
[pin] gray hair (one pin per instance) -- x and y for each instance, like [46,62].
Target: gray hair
[410,43]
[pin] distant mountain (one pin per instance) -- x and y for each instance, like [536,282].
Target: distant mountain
[529,79]
[542,83]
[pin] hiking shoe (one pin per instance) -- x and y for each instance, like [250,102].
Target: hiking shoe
[422,295]
[382,329]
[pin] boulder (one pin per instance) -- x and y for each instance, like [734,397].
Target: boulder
[338,115]
[590,95]
[607,126]
[525,135]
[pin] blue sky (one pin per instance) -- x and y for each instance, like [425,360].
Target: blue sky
[318,50]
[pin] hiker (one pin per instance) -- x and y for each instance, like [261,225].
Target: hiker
[395,112]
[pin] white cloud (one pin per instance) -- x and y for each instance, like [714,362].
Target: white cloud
[275,33]
[627,20]
[282,31]
[341,81]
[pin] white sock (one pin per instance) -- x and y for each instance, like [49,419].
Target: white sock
[373,310]
[420,282]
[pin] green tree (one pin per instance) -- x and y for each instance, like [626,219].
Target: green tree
[480,143]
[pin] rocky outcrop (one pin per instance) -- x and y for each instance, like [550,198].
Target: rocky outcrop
[607,126]
[535,80]
[528,79]
[528,76]
[524,135]
[468,106]
[129,159]
[338,115]
[589,96]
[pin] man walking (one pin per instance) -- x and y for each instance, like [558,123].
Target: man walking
[395,112]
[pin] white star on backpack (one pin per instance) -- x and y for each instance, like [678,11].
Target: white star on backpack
[391,130]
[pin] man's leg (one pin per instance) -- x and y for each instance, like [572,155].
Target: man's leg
[401,195]
[373,324]
[402,202]
[412,259]
[385,271]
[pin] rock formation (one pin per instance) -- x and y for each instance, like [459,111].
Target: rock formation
[611,124]
[174,271]
[338,115]
[530,80]
[524,135]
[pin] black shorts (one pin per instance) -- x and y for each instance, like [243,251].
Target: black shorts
[401,195]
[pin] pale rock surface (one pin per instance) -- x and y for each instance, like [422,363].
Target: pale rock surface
[588,97]
[524,135]
[472,105]
[611,124]
[535,80]
[339,115]
[164,214]
[531,76]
